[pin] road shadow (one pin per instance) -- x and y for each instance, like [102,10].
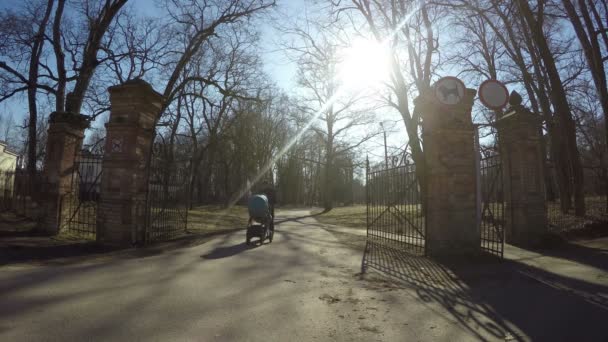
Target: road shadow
[495,299]
[226,252]
[298,218]
[135,287]
[47,253]
[32,246]
[23,233]
[574,251]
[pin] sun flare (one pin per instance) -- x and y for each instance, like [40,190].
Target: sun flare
[365,63]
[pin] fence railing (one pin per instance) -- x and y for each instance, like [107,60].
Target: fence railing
[79,205]
[21,193]
[167,197]
[492,211]
[394,208]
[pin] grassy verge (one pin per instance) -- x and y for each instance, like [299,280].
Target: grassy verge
[351,217]
[11,224]
[214,218]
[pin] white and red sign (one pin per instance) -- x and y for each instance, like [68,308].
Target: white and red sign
[449,90]
[493,94]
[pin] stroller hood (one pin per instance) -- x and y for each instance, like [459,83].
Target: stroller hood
[258,206]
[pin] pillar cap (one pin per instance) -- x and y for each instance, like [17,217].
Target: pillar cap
[136,83]
[77,120]
[519,113]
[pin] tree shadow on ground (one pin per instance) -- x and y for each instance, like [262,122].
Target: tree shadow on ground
[31,246]
[46,253]
[137,291]
[573,251]
[504,300]
[22,233]
[226,252]
[298,218]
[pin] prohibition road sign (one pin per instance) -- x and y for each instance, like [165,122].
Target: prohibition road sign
[493,94]
[449,90]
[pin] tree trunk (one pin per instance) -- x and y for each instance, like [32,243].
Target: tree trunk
[591,48]
[97,29]
[32,90]
[328,188]
[59,58]
[560,103]
[558,150]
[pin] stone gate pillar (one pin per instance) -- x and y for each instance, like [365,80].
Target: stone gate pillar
[524,184]
[449,152]
[64,141]
[134,109]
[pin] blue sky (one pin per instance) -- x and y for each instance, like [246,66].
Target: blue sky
[275,64]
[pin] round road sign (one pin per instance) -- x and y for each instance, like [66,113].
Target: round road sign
[449,90]
[493,94]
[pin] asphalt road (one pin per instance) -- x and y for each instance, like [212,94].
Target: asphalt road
[305,286]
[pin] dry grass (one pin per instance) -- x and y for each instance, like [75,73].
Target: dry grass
[595,213]
[213,218]
[11,223]
[353,217]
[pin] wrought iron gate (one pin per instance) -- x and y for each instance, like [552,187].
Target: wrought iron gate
[167,197]
[394,208]
[491,219]
[79,206]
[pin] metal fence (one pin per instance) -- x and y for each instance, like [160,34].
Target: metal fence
[22,193]
[167,197]
[79,204]
[492,205]
[596,201]
[7,187]
[394,208]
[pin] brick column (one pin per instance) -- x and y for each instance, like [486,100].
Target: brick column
[449,152]
[121,212]
[520,149]
[64,141]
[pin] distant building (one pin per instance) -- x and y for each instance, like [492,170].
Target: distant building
[8,158]
[8,164]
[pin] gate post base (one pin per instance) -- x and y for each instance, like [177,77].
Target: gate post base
[121,216]
[65,135]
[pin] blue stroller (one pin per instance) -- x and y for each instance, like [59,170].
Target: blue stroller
[261,222]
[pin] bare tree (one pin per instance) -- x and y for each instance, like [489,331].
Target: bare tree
[558,98]
[524,64]
[589,31]
[99,16]
[192,24]
[28,42]
[408,26]
[335,115]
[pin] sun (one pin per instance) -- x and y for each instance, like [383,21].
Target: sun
[365,63]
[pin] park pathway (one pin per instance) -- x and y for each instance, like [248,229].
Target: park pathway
[305,286]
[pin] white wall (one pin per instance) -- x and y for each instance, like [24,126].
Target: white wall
[8,160]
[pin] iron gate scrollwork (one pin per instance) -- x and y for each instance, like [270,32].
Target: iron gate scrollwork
[394,208]
[167,197]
